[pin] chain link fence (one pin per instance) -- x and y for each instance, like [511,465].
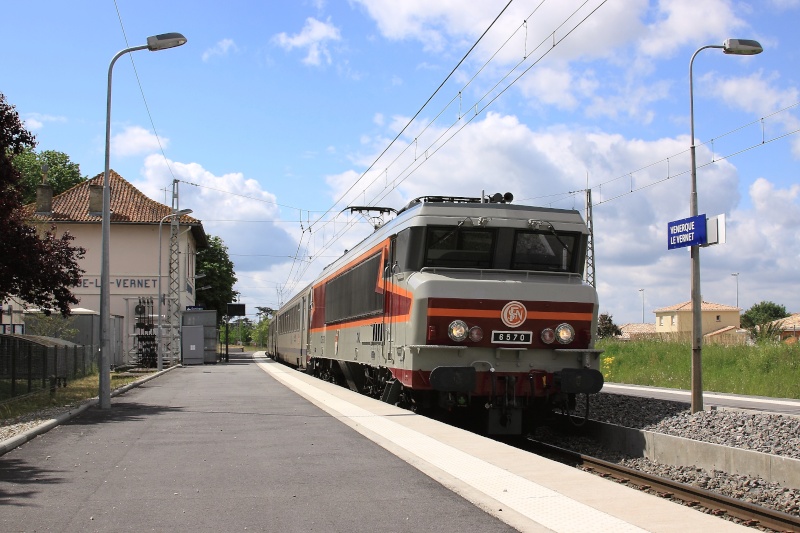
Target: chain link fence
[29,365]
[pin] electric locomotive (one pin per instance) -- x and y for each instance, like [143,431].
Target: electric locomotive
[473,308]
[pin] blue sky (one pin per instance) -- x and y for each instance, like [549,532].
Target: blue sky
[274,114]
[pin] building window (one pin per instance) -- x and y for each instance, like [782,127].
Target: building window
[719,319]
[674,319]
[661,321]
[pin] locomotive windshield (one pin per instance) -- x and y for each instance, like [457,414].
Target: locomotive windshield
[543,251]
[501,249]
[459,247]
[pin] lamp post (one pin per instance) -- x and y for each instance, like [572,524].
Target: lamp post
[736,275]
[159,358]
[642,291]
[735,47]
[154,43]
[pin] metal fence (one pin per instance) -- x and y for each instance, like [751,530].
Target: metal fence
[27,365]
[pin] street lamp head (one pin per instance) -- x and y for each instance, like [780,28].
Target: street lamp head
[164,41]
[183,212]
[742,47]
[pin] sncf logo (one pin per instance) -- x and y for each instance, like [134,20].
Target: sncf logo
[513,314]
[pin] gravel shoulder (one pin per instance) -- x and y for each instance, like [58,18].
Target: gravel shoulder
[13,427]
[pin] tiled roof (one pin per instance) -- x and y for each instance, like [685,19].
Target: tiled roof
[789,323]
[128,204]
[638,328]
[704,306]
[726,329]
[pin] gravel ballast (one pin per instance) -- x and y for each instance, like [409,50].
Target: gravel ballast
[750,430]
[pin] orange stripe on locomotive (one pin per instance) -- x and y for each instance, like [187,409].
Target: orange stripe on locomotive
[398,306]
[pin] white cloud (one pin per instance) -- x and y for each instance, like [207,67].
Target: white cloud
[760,245]
[633,101]
[557,87]
[235,208]
[135,140]
[314,38]
[36,121]
[430,23]
[448,24]
[222,48]
[33,124]
[689,22]
[759,95]
[755,93]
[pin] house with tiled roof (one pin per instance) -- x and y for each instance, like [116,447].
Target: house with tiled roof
[637,330]
[715,318]
[135,236]
[789,326]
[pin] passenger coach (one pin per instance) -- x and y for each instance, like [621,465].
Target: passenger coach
[471,307]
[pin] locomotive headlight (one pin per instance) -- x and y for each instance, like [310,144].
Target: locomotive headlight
[475,334]
[548,335]
[565,334]
[457,330]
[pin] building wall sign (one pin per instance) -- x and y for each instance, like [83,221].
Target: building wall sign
[132,282]
[687,232]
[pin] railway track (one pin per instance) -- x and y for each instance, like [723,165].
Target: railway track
[749,514]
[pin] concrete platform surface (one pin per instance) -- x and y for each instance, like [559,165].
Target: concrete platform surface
[252,445]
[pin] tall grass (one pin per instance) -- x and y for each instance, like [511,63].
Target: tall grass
[762,370]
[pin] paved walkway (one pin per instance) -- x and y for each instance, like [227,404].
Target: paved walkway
[220,448]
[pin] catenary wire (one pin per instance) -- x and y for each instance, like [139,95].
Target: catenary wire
[418,111]
[387,190]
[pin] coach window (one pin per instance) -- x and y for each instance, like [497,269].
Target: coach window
[544,251]
[459,247]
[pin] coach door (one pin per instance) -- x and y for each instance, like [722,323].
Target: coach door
[305,330]
[307,325]
[389,273]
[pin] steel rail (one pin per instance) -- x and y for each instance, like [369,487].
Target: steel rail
[718,504]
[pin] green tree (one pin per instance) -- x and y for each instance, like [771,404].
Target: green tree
[265,312]
[606,326]
[219,275]
[261,330]
[37,269]
[62,173]
[241,330]
[761,313]
[55,326]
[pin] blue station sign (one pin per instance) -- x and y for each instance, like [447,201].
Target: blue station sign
[687,232]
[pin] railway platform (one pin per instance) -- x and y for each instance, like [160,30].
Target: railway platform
[252,445]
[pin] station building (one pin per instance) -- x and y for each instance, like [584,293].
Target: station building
[138,226]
